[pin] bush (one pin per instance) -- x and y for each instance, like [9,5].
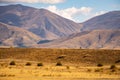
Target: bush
[39,64]
[89,70]
[97,70]
[28,64]
[118,61]
[99,65]
[59,64]
[68,67]
[61,57]
[112,67]
[12,63]
[113,70]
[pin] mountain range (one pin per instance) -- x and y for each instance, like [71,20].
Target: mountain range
[23,26]
[103,39]
[41,22]
[110,20]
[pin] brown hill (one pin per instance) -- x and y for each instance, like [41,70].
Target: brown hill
[102,39]
[42,22]
[110,20]
[13,36]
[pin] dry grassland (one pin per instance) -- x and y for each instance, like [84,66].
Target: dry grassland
[59,64]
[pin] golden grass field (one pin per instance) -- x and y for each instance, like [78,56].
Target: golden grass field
[74,64]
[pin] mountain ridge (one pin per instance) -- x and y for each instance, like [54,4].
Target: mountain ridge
[50,30]
[108,20]
[96,39]
[40,21]
[16,37]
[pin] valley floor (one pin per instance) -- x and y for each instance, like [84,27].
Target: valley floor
[58,73]
[59,64]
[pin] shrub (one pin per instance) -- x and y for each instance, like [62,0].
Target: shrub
[112,67]
[118,61]
[99,65]
[61,57]
[80,47]
[59,64]
[113,70]
[39,64]
[68,67]
[97,70]
[89,70]
[12,63]
[28,64]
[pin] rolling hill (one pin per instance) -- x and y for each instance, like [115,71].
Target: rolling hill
[96,39]
[110,20]
[17,37]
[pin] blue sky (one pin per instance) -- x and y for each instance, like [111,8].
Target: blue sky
[76,10]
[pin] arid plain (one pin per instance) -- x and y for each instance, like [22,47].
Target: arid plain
[60,64]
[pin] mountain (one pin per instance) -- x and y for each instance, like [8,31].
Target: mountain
[96,39]
[13,36]
[101,32]
[110,20]
[42,22]
[23,26]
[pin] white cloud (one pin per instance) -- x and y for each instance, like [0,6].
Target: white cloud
[94,14]
[34,1]
[76,14]
[70,13]
[99,13]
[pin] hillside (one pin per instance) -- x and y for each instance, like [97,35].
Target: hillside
[13,36]
[110,20]
[42,22]
[99,32]
[102,39]
[47,30]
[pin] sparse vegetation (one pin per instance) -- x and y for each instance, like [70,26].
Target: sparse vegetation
[118,61]
[113,70]
[97,70]
[75,65]
[99,65]
[89,70]
[80,47]
[59,64]
[82,63]
[40,64]
[68,67]
[66,55]
[61,57]
[12,63]
[28,64]
[112,66]
[6,75]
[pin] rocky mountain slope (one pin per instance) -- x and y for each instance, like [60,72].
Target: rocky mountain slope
[110,20]
[101,32]
[42,22]
[23,26]
[98,39]
[13,36]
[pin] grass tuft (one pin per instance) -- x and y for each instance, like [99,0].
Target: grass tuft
[28,64]
[12,63]
[99,65]
[59,64]
[40,64]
